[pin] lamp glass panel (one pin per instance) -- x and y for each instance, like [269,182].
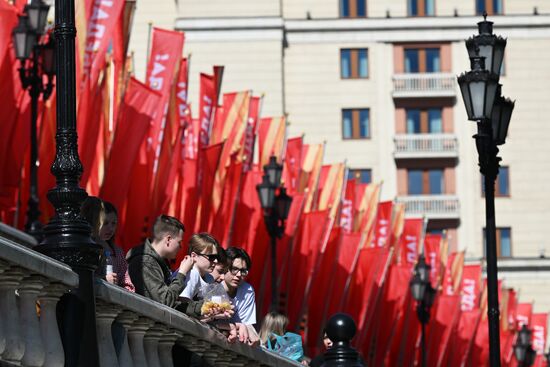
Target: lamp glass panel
[490,96]
[30,43]
[520,352]
[498,56]
[20,40]
[48,60]
[524,336]
[477,91]
[486,51]
[418,289]
[424,273]
[33,12]
[466,96]
[267,196]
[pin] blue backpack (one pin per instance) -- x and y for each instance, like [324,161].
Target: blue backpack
[288,345]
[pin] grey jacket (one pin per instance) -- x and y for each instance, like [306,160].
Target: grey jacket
[152,277]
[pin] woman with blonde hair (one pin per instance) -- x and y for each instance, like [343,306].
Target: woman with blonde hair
[274,323]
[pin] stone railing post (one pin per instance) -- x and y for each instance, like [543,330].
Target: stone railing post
[136,333]
[105,315]
[29,291]
[54,355]
[15,346]
[151,345]
[125,359]
[166,343]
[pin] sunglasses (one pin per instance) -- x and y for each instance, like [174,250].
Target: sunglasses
[235,271]
[210,257]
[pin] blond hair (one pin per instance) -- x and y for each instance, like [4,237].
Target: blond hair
[275,323]
[203,241]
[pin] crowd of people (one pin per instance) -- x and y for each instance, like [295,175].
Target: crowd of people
[209,284]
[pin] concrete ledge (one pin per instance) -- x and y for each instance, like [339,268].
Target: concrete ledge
[17,236]
[19,255]
[179,321]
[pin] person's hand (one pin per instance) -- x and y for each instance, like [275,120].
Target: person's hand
[242,332]
[186,265]
[111,278]
[304,362]
[232,337]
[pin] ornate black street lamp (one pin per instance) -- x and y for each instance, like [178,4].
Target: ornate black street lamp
[523,350]
[37,61]
[276,205]
[424,295]
[492,112]
[67,235]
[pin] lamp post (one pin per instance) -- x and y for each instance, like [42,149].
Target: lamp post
[523,350]
[37,61]
[492,112]
[67,235]
[276,205]
[424,294]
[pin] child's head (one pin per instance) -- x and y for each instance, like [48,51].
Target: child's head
[110,222]
[93,211]
[275,323]
[221,267]
[203,248]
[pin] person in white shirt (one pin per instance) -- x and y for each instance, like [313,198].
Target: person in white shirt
[203,249]
[241,293]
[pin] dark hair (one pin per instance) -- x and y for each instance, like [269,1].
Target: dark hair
[110,208]
[166,225]
[222,256]
[238,253]
[93,211]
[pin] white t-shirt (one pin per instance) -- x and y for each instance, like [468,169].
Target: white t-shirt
[245,305]
[194,282]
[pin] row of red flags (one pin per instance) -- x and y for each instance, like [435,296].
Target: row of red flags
[342,249]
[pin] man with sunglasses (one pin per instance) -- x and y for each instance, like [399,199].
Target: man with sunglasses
[241,293]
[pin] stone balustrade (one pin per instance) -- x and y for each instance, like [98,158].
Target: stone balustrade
[132,330]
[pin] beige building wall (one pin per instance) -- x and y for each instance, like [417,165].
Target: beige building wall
[225,8]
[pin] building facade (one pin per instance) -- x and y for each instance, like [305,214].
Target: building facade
[376,80]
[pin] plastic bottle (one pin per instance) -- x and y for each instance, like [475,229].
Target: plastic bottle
[108,262]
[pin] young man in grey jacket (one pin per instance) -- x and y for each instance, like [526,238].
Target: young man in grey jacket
[149,271]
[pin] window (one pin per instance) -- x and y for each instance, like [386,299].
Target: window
[355,123]
[361,175]
[353,8]
[502,185]
[354,63]
[503,240]
[425,182]
[492,7]
[422,60]
[424,121]
[421,7]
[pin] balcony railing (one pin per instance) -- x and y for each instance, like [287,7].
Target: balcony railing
[414,85]
[426,146]
[432,206]
[150,329]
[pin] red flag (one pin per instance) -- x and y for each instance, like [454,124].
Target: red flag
[136,113]
[250,134]
[347,256]
[432,247]
[524,314]
[101,26]
[209,165]
[410,241]
[382,227]
[444,320]
[8,14]
[320,288]
[315,231]
[206,105]
[539,327]
[166,50]
[271,136]
[347,212]
[292,164]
